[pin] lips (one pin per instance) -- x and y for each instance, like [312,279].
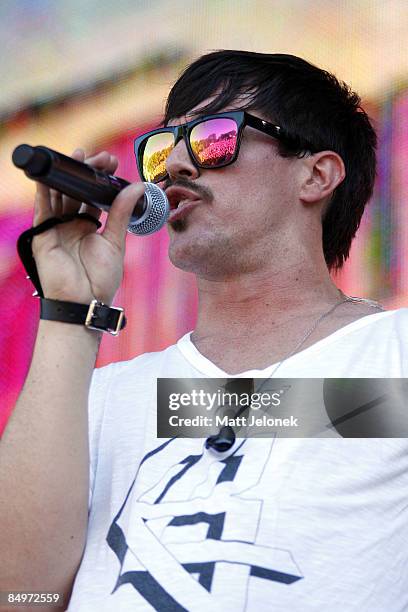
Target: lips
[181,201]
[183,209]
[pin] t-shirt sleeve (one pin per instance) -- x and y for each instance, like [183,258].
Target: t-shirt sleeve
[98,392]
[401,332]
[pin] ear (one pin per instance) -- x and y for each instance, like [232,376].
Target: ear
[324,171]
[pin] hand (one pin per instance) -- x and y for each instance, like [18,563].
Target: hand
[74,262]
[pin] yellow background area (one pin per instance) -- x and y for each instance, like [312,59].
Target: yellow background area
[71,44]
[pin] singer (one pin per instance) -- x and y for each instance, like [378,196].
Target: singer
[268,163]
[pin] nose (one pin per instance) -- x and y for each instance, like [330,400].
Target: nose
[180,164]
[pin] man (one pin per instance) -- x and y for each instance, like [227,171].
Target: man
[263,205]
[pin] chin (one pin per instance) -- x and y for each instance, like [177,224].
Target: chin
[204,254]
[185,253]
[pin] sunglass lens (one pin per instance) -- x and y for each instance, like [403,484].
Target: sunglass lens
[214,141]
[156,150]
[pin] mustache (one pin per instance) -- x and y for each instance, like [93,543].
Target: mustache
[204,193]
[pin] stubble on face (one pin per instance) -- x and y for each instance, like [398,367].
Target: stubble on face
[203,250]
[211,255]
[213,250]
[233,235]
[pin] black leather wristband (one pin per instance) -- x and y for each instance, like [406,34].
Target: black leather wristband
[96,315]
[24,244]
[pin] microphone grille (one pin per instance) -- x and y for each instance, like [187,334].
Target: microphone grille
[157,210]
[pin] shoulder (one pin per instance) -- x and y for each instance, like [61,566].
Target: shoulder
[399,319]
[389,327]
[118,383]
[386,319]
[373,314]
[142,364]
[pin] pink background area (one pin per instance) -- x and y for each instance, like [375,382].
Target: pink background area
[160,301]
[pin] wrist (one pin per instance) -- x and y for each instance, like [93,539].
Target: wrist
[95,316]
[63,344]
[71,339]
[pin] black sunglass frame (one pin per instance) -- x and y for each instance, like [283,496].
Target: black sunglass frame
[241,118]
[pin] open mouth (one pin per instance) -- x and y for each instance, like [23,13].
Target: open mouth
[182,209]
[181,201]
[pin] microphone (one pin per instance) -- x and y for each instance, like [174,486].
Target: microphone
[94,187]
[225,438]
[222,441]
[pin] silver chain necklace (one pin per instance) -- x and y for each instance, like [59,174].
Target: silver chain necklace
[347,298]
[226,437]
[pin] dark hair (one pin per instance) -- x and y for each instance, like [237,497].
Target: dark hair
[316,109]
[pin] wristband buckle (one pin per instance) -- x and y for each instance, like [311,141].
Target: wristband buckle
[91,314]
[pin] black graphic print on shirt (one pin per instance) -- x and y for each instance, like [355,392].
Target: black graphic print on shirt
[187,535]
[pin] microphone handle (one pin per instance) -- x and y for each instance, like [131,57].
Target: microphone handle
[73,178]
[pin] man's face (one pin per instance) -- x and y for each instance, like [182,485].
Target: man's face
[243,211]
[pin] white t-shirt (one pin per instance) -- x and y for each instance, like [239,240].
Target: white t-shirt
[295,525]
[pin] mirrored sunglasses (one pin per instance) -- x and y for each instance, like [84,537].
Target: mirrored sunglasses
[212,141]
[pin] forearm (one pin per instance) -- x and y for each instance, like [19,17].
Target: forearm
[44,457]
[44,462]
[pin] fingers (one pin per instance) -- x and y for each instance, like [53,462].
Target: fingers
[69,205]
[51,203]
[91,210]
[120,213]
[42,204]
[56,202]
[101,161]
[107,163]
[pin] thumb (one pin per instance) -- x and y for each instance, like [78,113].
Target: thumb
[120,213]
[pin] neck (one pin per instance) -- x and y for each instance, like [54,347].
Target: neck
[258,302]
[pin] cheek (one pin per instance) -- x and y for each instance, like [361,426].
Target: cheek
[258,165]
[269,176]
[253,182]
[254,187]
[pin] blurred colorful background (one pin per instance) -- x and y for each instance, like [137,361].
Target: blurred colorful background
[95,74]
